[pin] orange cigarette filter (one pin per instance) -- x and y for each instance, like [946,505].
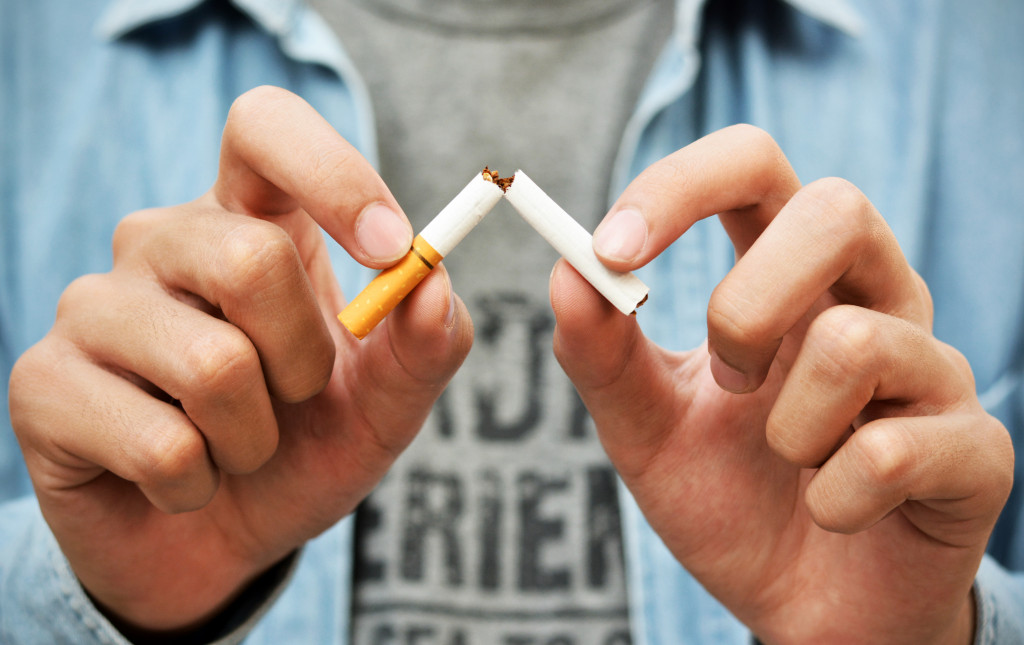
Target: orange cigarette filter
[436,240]
[388,289]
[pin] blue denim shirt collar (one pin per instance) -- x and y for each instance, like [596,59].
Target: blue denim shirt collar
[279,16]
[840,14]
[302,35]
[678,65]
[124,16]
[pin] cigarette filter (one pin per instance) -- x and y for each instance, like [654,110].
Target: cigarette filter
[624,290]
[435,241]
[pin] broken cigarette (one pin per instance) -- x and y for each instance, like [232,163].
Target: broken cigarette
[624,290]
[434,242]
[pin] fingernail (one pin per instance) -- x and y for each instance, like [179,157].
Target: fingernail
[383,234]
[622,236]
[449,317]
[728,377]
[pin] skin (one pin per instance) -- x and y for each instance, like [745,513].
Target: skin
[822,464]
[198,413]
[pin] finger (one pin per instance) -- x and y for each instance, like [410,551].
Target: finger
[827,239]
[614,368]
[209,366]
[79,417]
[278,153]
[738,172]
[955,470]
[249,271]
[856,363]
[402,366]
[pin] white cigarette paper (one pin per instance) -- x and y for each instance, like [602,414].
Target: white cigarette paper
[624,290]
[434,242]
[461,215]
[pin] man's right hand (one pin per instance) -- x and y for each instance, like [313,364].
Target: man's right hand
[198,413]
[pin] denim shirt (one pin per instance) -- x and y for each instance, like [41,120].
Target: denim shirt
[109,107]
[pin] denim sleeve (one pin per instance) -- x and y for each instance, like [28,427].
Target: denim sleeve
[42,602]
[1000,597]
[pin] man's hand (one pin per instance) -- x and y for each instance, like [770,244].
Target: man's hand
[198,413]
[823,465]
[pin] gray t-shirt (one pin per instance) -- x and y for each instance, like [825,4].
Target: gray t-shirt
[500,523]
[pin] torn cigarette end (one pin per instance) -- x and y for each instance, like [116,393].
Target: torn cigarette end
[492,176]
[435,241]
[624,290]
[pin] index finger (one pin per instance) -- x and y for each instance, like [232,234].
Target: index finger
[278,154]
[739,173]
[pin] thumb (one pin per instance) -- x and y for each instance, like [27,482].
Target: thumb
[622,377]
[404,365]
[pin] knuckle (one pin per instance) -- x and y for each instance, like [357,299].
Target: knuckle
[259,449]
[959,366]
[23,371]
[886,454]
[38,382]
[839,192]
[790,439]
[780,440]
[132,228]
[924,302]
[254,254]
[251,106]
[83,290]
[827,514]
[960,377]
[762,147]
[219,362]
[27,384]
[734,318]
[678,175]
[172,461]
[172,457]
[174,470]
[253,111]
[846,341]
[754,138]
[844,211]
[957,387]
[1002,462]
[309,381]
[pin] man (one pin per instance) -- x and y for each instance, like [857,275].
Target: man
[214,335]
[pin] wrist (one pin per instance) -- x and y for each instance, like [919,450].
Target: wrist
[965,623]
[250,600]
